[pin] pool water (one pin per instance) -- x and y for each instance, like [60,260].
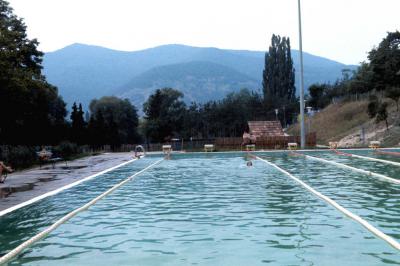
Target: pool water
[211,209]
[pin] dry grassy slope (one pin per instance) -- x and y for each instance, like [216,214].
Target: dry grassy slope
[344,122]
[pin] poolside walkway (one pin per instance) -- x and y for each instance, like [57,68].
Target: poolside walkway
[25,185]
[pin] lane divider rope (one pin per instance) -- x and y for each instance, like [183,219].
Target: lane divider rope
[7,257]
[343,210]
[369,173]
[393,153]
[58,190]
[367,158]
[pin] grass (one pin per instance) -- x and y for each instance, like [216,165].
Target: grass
[344,121]
[336,121]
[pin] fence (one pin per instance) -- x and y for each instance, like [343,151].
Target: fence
[22,156]
[223,144]
[276,142]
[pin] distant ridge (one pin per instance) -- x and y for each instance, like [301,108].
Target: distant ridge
[83,72]
[198,80]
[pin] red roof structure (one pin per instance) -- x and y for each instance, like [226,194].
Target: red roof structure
[265,128]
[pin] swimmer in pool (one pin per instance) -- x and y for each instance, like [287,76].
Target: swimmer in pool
[249,163]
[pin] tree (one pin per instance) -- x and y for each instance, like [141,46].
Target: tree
[227,117]
[385,62]
[191,121]
[373,106]
[378,110]
[318,95]
[164,113]
[113,121]
[362,80]
[78,124]
[382,114]
[97,128]
[278,74]
[394,94]
[31,104]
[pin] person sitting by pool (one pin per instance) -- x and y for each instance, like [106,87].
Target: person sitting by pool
[4,170]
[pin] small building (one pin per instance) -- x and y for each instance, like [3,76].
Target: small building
[265,129]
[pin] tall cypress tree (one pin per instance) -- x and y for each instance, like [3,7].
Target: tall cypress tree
[78,125]
[278,74]
[74,115]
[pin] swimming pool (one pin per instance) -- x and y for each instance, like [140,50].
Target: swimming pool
[211,209]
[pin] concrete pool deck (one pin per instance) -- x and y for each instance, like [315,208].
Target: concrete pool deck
[24,185]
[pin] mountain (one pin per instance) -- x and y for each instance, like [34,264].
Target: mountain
[83,72]
[198,80]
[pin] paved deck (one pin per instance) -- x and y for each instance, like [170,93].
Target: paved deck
[25,185]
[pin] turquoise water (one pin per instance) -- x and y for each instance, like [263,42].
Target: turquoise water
[214,210]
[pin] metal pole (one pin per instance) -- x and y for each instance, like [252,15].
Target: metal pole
[302,129]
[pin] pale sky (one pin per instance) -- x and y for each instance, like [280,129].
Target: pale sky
[342,30]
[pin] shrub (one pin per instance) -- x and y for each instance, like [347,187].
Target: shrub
[18,156]
[66,149]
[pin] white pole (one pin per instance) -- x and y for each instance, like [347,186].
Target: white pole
[302,128]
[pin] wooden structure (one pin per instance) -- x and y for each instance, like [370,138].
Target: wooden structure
[262,129]
[208,147]
[276,142]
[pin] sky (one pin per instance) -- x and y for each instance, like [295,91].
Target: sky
[342,30]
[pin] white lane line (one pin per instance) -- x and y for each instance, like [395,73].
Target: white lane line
[53,192]
[374,159]
[343,210]
[67,217]
[369,173]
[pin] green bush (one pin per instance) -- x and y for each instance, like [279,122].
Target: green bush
[18,156]
[66,150]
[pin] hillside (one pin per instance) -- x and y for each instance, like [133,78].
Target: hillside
[344,122]
[83,72]
[199,81]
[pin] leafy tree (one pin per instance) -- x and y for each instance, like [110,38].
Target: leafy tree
[385,62]
[373,106]
[318,95]
[382,114]
[362,80]
[113,121]
[278,74]
[97,128]
[164,113]
[31,104]
[192,121]
[378,110]
[227,117]
[394,94]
